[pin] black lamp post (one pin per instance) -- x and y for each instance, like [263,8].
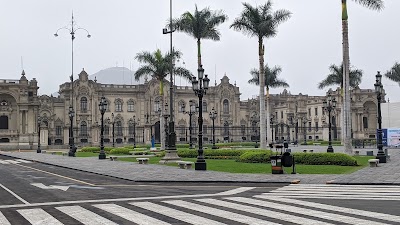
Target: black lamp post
[102,108]
[330,105]
[134,123]
[112,122]
[39,121]
[166,115]
[72,148]
[379,91]
[213,116]
[191,112]
[72,29]
[304,120]
[200,88]
[271,121]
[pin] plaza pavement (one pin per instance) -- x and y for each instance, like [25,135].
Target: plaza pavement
[388,173]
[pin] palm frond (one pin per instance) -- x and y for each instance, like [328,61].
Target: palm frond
[372,4]
[394,73]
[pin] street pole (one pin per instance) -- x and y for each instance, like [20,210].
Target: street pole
[329,105]
[112,122]
[304,130]
[213,116]
[39,123]
[379,90]
[102,107]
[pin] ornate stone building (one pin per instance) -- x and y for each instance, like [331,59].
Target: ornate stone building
[135,113]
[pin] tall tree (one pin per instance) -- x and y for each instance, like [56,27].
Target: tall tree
[270,77]
[394,73]
[261,22]
[200,25]
[372,4]
[336,77]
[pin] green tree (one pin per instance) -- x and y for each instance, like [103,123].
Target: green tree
[372,4]
[261,22]
[271,77]
[158,66]
[200,25]
[394,73]
[336,77]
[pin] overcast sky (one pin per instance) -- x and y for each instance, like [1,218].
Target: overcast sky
[305,45]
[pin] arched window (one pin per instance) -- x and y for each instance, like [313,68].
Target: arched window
[84,131]
[131,129]
[181,106]
[118,105]
[157,105]
[84,104]
[226,128]
[205,107]
[119,128]
[226,106]
[106,130]
[131,106]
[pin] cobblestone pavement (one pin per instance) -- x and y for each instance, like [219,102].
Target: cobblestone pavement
[388,173]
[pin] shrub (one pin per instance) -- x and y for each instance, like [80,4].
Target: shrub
[325,159]
[122,150]
[95,149]
[215,154]
[255,157]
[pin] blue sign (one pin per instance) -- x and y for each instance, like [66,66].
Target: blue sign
[384,136]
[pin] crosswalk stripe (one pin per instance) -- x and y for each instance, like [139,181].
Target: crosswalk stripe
[218,212]
[336,192]
[358,212]
[3,220]
[340,186]
[304,211]
[262,212]
[176,214]
[84,216]
[130,215]
[4,162]
[12,161]
[24,161]
[38,216]
[337,196]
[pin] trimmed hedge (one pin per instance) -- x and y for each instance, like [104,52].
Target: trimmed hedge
[215,154]
[95,149]
[340,159]
[122,151]
[255,157]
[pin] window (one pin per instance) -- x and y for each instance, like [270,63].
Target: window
[309,111]
[181,129]
[309,126]
[316,126]
[181,106]
[243,129]
[58,130]
[118,105]
[157,106]
[3,122]
[204,106]
[226,128]
[365,122]
[84,131]
[316,111]
[281,114]
[131,129]
[131,105]
[205,127]
[106,130]
[226,106]
[84,104]
[118,125]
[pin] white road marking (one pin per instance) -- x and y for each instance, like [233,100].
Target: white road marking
[305,211]
[3,220]
[84,216]
[341,209]
[237,190]
[262,212]
[15,195]
[4,162]
[336,196]
[176,214]
[339,186]
[38,216]
[42,186]
[361,192]
[12,161]
[130,215]
[112,200]
[24,161]
[218,212]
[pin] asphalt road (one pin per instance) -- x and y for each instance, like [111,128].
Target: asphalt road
[36,193]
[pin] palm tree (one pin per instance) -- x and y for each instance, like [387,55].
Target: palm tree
[271,77]
[336,77]
[158,66]
[200,25]
[394,73]
[261,22]
[372,4]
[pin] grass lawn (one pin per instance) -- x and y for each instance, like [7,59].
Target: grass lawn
[232,166]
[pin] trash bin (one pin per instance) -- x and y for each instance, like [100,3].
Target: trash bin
[287,160]
[276,164]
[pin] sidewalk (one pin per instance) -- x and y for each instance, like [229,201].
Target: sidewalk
[388,173]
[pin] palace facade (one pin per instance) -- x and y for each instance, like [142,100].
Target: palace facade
[136,113]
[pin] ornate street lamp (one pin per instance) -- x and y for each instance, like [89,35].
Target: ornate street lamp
[166,115]
[271,121]
[102,108]
[134,123]
[379,92]
[200,88]
[213,116]
[330,105]
[72,29]
[192,110]
[112,122]
[39,121]
[304,120]
[72,148]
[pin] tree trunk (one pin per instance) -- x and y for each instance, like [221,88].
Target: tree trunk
[346,129]
[268,131]
[263,142]
[198,53]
